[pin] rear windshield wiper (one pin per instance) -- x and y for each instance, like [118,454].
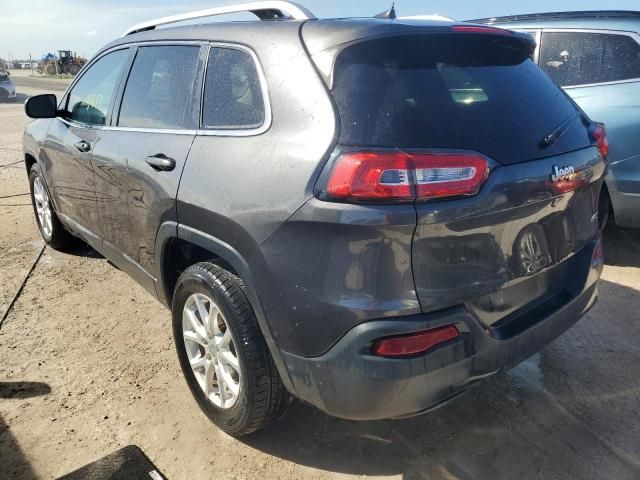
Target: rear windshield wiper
[553,137]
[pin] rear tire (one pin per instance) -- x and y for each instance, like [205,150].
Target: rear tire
[209,305]
[604,208]
[74,69]
[53,232]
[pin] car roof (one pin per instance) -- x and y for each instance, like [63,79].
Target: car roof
[623,20]
[321,34]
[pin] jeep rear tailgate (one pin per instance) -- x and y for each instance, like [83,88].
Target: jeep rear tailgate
[501,250]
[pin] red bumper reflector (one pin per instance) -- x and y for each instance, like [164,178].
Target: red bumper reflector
[414,343]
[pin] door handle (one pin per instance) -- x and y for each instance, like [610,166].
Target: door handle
[83,146]
[161,162]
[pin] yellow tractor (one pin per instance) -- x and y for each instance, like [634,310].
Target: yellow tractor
[65,63]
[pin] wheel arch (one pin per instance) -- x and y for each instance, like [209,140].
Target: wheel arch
[29,160]
[174,240]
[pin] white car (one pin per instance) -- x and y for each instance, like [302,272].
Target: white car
[7,87]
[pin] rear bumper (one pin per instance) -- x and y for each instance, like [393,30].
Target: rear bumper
[349,382]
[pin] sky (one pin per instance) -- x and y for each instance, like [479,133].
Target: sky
[38,26]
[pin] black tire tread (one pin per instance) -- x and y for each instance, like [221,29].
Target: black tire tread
[61,239]
[269,396]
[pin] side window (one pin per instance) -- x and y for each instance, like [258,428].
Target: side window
[233,97]
[585,58]
[90,98]
[161,89]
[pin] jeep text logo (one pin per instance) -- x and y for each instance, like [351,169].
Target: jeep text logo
[562,173]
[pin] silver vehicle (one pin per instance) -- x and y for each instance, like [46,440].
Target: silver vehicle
[7,87]
[595,57]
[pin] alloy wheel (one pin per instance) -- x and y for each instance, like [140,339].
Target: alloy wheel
[43,207]
[211,351]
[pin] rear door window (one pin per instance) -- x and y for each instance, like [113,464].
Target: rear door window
[233,96]
[577,58]
[161,90]
[459,91]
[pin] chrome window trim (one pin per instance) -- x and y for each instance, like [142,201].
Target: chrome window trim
[266,125]
[110,128]
[153,43]
[635,36]
[238,132]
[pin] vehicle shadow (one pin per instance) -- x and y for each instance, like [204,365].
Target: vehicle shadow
[13,463]
[557,415]
[22,390]
[80,248]
[20,98]
[621,246]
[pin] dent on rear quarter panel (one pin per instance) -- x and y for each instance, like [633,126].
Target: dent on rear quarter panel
[332,266]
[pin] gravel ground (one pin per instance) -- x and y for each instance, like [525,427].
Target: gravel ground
[87,366]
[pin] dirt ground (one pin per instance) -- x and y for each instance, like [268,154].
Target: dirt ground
[87,366]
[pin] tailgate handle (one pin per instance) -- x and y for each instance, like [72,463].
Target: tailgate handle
[161,162]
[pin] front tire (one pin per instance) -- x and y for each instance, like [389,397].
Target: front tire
[222,353]
[53,232]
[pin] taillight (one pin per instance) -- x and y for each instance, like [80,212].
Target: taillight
[399,176]
[480,29]
[599,135]
[414,343]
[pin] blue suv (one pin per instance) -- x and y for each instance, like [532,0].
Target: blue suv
[595,57]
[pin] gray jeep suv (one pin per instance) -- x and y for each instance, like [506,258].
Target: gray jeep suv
[370,215]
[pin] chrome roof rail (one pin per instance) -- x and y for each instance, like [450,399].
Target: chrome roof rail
[560,15]
[267,10]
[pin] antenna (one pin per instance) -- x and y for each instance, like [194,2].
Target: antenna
[389,14]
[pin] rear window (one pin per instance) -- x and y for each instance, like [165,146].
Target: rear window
[463,91]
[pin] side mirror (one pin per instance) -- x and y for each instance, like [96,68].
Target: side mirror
[42,106]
